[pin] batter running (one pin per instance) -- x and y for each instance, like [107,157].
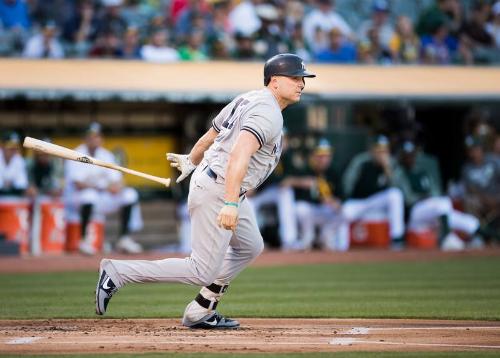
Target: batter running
[236,154]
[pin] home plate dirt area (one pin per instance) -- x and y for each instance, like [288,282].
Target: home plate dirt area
[256,335]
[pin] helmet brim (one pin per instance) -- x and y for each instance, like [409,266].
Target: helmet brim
[301,73]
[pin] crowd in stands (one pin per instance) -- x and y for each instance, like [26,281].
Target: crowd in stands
[445,32]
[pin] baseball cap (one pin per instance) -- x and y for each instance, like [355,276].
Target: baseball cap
[323,147]
[11,140]
[380,5]
[380,141]
[94,128]
[409,147]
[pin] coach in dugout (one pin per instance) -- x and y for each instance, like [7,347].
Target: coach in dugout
[13,176]
[91,192]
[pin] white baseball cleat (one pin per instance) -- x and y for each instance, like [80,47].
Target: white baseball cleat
[452,242]
[129,246]
[86,248]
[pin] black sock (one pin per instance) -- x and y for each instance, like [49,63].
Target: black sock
[126,212]
[85,213]
[445,227]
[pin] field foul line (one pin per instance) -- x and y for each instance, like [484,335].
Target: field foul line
[351,341]
[430,328]
[194,342]
[23,340]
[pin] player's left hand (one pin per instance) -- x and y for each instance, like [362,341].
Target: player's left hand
[183,164]
[228,218]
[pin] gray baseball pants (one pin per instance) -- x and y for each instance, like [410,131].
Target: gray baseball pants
[217,255]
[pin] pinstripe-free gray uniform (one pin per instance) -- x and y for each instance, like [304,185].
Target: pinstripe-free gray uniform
[218,255]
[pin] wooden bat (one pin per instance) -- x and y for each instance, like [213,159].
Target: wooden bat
[66,153]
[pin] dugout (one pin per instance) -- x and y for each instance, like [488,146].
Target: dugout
[147,109]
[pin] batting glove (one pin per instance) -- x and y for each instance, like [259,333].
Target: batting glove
[183,164]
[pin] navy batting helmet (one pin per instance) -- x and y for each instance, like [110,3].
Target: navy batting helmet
[285,64]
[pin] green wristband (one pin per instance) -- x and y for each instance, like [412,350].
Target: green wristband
[229,203]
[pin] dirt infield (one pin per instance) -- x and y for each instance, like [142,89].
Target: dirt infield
[257,335]
[77,262]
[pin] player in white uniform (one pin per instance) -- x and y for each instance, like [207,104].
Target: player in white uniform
[92,192]
[237,154]
[13,174]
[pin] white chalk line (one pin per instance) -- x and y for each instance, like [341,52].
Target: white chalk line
[23,340]
[431,328]
[194,342]
[351,341]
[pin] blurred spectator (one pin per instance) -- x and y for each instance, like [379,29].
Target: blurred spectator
[243,18]
[380,22]
[447,12]
[339,50]
[110,19]
[270,38]
[371,52]
[322,19]
[297,43]
[493,27]
[45,174]
[405,44]
[428,207]
[131,49]
[244,49]
[370,186]
[437,48]
[294,15]
[138,13]
[14,14]
[481,178]
[195,16]
[220,40]
[106,46]
[44,44]
[476,39]
[318,204]
[158,50]
[58,11]
[13,175]
[194,50]
[79,29]
[93,192]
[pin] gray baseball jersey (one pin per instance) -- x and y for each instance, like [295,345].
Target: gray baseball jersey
[257,112]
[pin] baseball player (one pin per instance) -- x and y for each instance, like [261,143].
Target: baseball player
[318,204]
[428,206]
[370,183]
[92,192]
[235,155]
[13,174]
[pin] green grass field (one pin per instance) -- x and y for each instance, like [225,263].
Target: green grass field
[467,288]
[456,289]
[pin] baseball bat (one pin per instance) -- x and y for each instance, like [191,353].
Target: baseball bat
[59,151]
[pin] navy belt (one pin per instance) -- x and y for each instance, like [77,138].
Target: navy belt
[213,175]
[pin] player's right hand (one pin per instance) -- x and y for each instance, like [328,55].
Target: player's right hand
[183,164]
[228,218]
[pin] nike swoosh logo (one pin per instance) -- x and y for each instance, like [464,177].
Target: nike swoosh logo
[105,284]
[212,323]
